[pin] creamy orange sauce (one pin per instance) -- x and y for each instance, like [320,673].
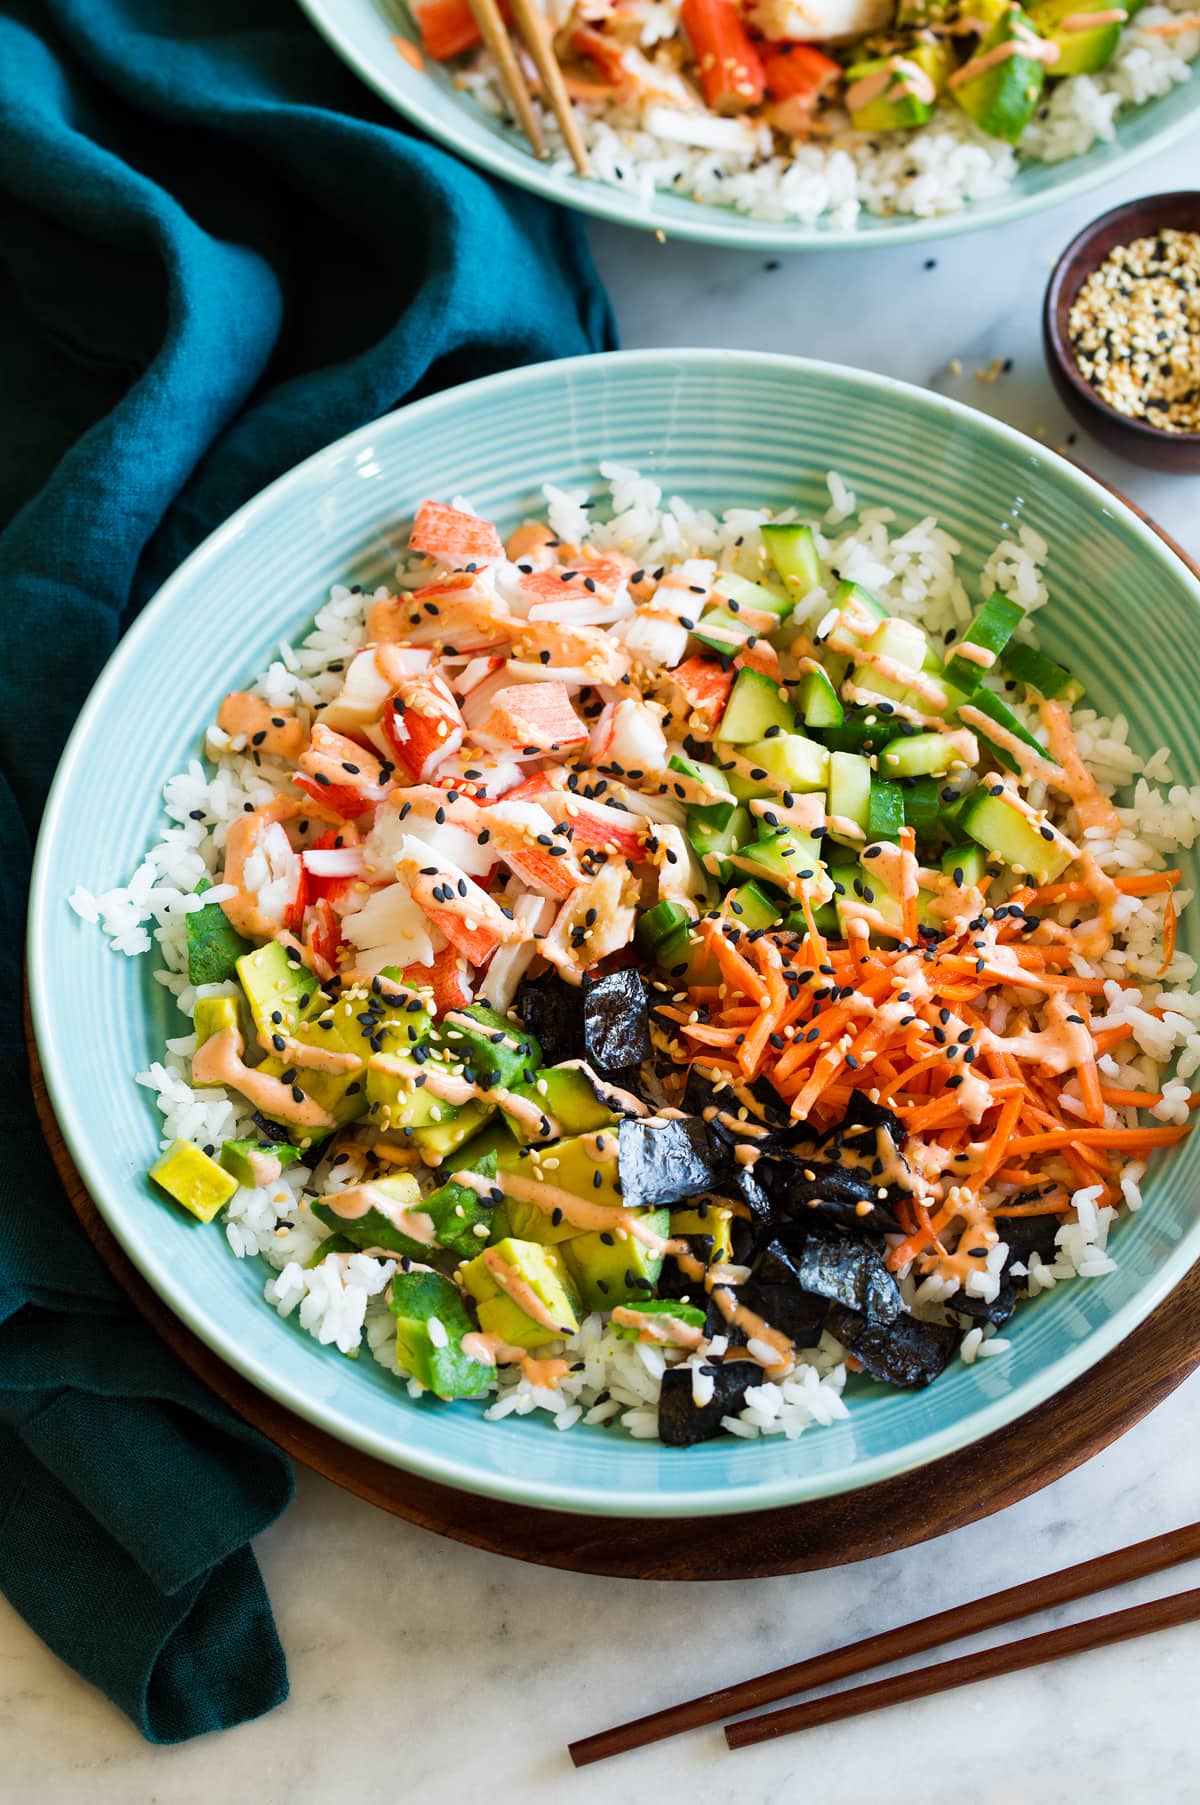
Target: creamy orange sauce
[1024,42]
[265,1168]
[980,655]
[1093,809]
[1113,15]
[1033,764]
[219,1061]
[246,716]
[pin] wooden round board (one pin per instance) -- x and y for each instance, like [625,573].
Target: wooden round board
[1029,1454]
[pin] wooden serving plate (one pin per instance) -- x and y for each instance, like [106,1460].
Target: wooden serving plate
[1030,1453]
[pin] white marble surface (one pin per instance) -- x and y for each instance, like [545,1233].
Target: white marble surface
[423,1671]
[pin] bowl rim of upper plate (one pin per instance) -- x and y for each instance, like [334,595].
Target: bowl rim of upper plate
[513,163]
[89,1160]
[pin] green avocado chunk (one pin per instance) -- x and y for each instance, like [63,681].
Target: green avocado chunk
[690,1314]
[431,1319]
[568,1104]
[186,1173]
[213,946]
[1003,97]
[530,1266]
[463,1217]
[494,1051]
[395,1210]
[613,1267]
[237,1157]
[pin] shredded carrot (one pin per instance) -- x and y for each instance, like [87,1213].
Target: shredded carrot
[1170,923]
[1127,1140]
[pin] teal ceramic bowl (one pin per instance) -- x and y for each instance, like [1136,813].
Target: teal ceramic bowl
[364,34]
[722,428]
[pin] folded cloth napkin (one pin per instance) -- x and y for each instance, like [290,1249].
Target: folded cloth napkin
[217,253]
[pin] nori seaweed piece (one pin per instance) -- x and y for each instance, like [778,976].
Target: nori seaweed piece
[998,1310]
[681,1423]
[776,1266]
[794,1312]
[1024,1235]
[1029,1234]
[674,1282]
[738,1182]
[850,1274]
[616,1030]
[701,1093]
[857,1127]
[549,1008]
[662,1163]
[823,1192]
[906,1352]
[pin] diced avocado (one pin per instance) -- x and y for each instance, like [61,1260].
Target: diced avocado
[756,702]
[213,947]
[900,98]
[793,551]
[497,1137]
[800,764]
[1027,665]
[691,1315]
[754,598]
[438,1140]
[585,1165]
[659,923]
[431,1319]
[213,1015]
[400,1103]
[788,859]
[613,1266]
[524,1264]
[1000,826]
[463,1218]
[922,806]
[849,789]
[331,1244]
[237,1157]
[568,1103]
[870,888]
[712,846]
[990,631]
[1082,49]
[1003,97]
[752,908]
[279,990]
[856,615]
[965,864]
[384,1223]
[493,1052]
[187,1174]
[715,1219]
[885,810]
[817,699]
[920,755]
[1002,716]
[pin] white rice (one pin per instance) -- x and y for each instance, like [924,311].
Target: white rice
[613,1381]
[935,169]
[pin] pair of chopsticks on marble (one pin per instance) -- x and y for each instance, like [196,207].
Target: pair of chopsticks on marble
[534,32]
[1082,1581]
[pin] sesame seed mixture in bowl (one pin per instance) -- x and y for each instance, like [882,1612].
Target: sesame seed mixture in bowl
[647,968]
[1134,330]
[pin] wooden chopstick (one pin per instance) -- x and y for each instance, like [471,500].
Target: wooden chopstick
[1080,1581]
[1010,1657]
[531,24]
[494,33]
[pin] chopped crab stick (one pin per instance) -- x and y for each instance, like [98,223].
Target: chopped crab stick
[729,67]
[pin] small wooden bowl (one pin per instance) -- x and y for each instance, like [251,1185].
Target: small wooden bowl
[1178,452]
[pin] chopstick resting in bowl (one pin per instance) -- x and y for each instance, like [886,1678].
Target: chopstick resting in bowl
[1015,1602]
[535,34]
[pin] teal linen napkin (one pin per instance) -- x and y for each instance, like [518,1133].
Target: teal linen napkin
[217,253]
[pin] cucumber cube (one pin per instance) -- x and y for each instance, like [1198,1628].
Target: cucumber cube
[793,552]
[756,703]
